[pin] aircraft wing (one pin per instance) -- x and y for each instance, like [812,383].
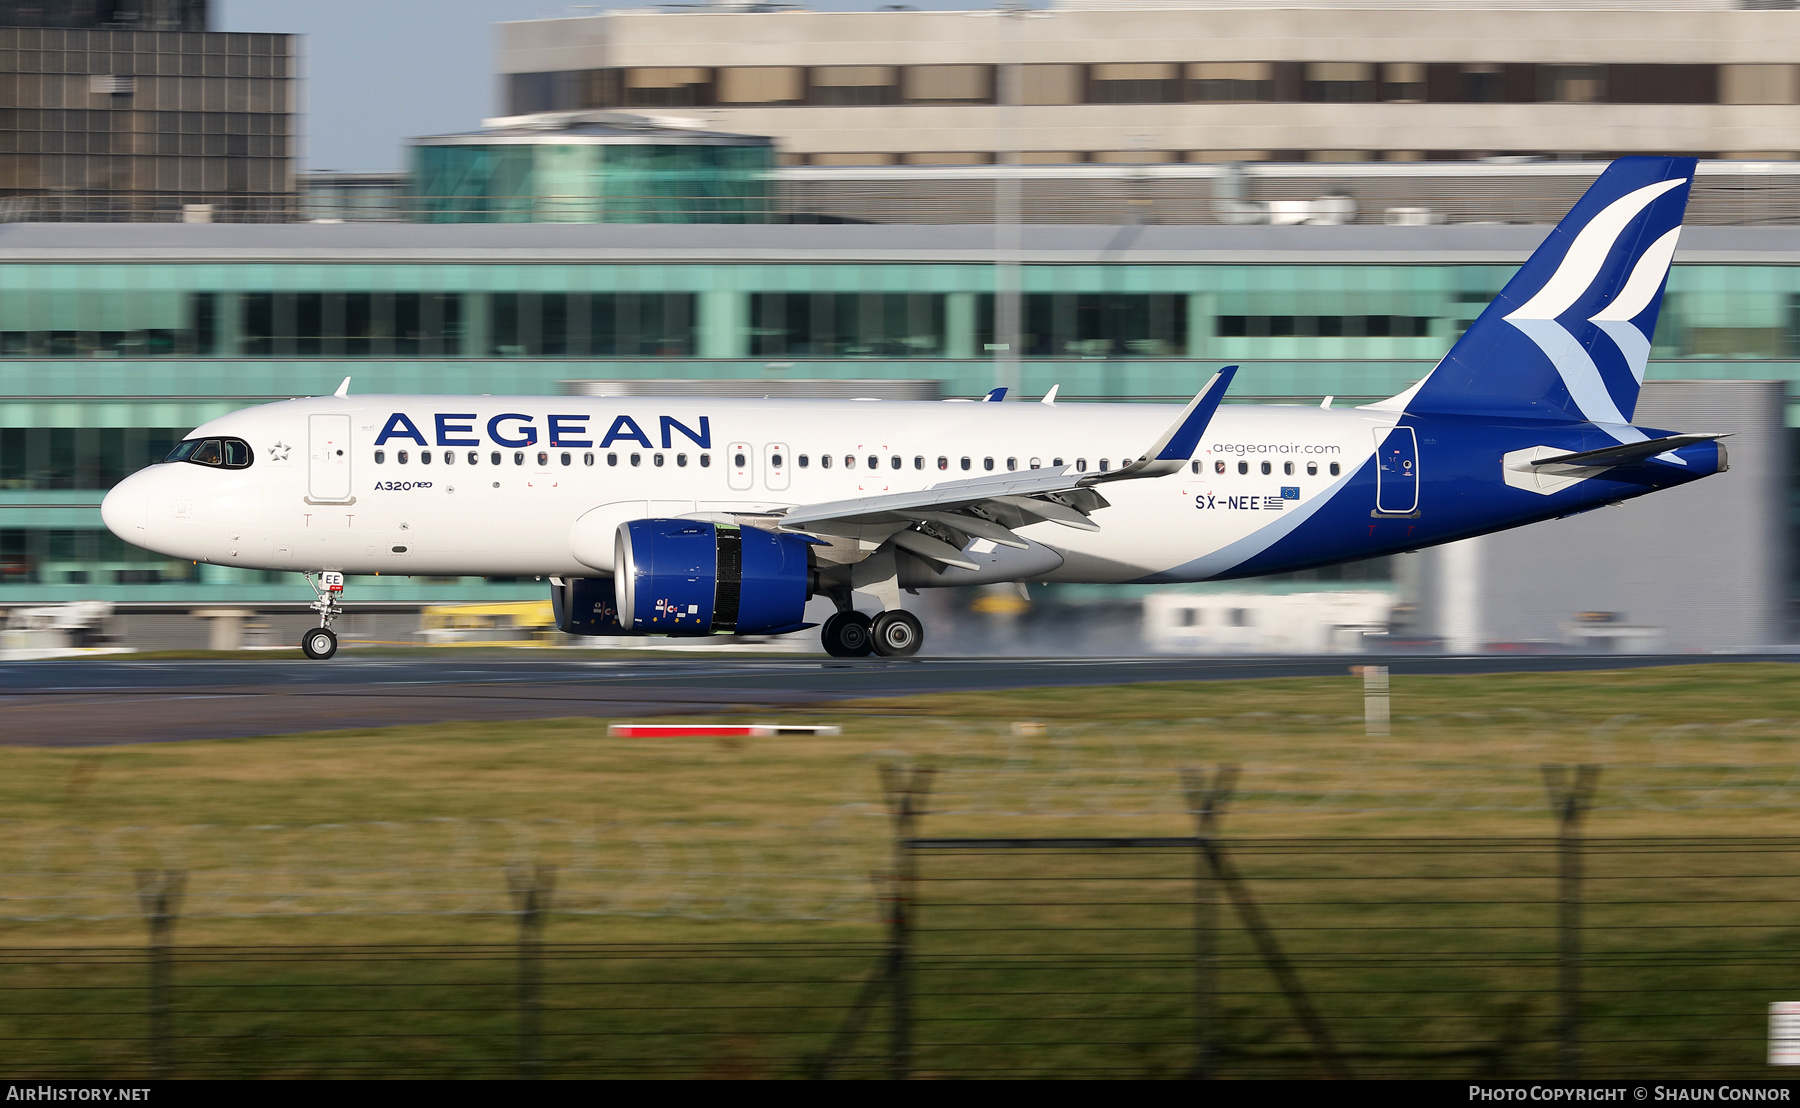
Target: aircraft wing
[991,506]
[1624,453]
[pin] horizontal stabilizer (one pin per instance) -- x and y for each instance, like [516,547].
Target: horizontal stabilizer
[1624,453]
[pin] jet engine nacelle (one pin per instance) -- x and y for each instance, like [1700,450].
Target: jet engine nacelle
[586,606]
[688,577]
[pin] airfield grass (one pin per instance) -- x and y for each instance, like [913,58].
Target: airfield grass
[347,908]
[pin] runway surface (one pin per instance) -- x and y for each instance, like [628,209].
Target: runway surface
[89,703]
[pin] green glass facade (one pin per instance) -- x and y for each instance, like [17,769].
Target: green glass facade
[572,182]
[103,364]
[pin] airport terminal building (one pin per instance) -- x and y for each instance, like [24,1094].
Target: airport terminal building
[792,203]
[119,338]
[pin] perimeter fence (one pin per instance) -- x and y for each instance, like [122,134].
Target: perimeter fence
[1173,955]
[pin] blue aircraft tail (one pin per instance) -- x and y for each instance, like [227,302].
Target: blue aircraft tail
[1568,336]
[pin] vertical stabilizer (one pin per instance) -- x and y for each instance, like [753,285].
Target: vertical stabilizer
[1569,336]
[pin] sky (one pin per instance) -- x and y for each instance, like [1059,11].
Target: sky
[377,72]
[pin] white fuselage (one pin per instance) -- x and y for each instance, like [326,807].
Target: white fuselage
[490,502]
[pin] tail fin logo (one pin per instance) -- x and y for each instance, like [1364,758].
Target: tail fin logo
[1568,337]
[1538,317]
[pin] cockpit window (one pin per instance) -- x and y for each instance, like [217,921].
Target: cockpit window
[224,453]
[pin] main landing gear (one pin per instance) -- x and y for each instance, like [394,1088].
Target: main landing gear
[320,642]
[892,634]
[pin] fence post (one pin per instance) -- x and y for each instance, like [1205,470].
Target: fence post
[906,791]
[1375,699]
[1206,802]
[1569,795]
[159,899]
[531,887]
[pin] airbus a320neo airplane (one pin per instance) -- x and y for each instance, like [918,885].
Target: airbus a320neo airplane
[696,517]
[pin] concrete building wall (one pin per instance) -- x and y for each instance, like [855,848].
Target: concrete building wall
[1756,118]
[1701,567]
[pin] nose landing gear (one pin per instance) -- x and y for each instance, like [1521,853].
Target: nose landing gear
[320,642]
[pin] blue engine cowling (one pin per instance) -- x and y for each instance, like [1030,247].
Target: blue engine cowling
[688,577]
[586,606]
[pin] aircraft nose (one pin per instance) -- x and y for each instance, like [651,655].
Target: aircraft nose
[126,509]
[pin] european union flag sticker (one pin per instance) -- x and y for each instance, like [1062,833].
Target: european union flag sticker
[1290,492]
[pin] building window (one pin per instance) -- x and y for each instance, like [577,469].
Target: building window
[1134,83]
[1050,84]
[1340,82]
[1094,324]
[1403,82]
[762,84]
[1759,84]
[1231,81]
[667,87]
[1322,326]
[847,325]
[841,86]
[600,324]
[1572,84]
[948,84]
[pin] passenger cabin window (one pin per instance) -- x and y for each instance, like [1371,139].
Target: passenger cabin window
[401,457]
[612,459]
[1243,467]
[637,459]
[1196,465]
[381,457]
[1037,463]
[965,463]
[681,460]
[449,457]
[1266,468]
[705,460]
[849,461]
[1334,469]
[894,463]
[824,461]
[494,458]
[588,458]
[543,458]
[474,458]
[738,459]
[1056,461]
[1312,469]
[1287,468]
[424,457]
[656,459]
[918,461]
[518,457]
[1080,465]
[1012,465]
[567,457]
[943,462]
[1218,467]
[874,462]
[802,461]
